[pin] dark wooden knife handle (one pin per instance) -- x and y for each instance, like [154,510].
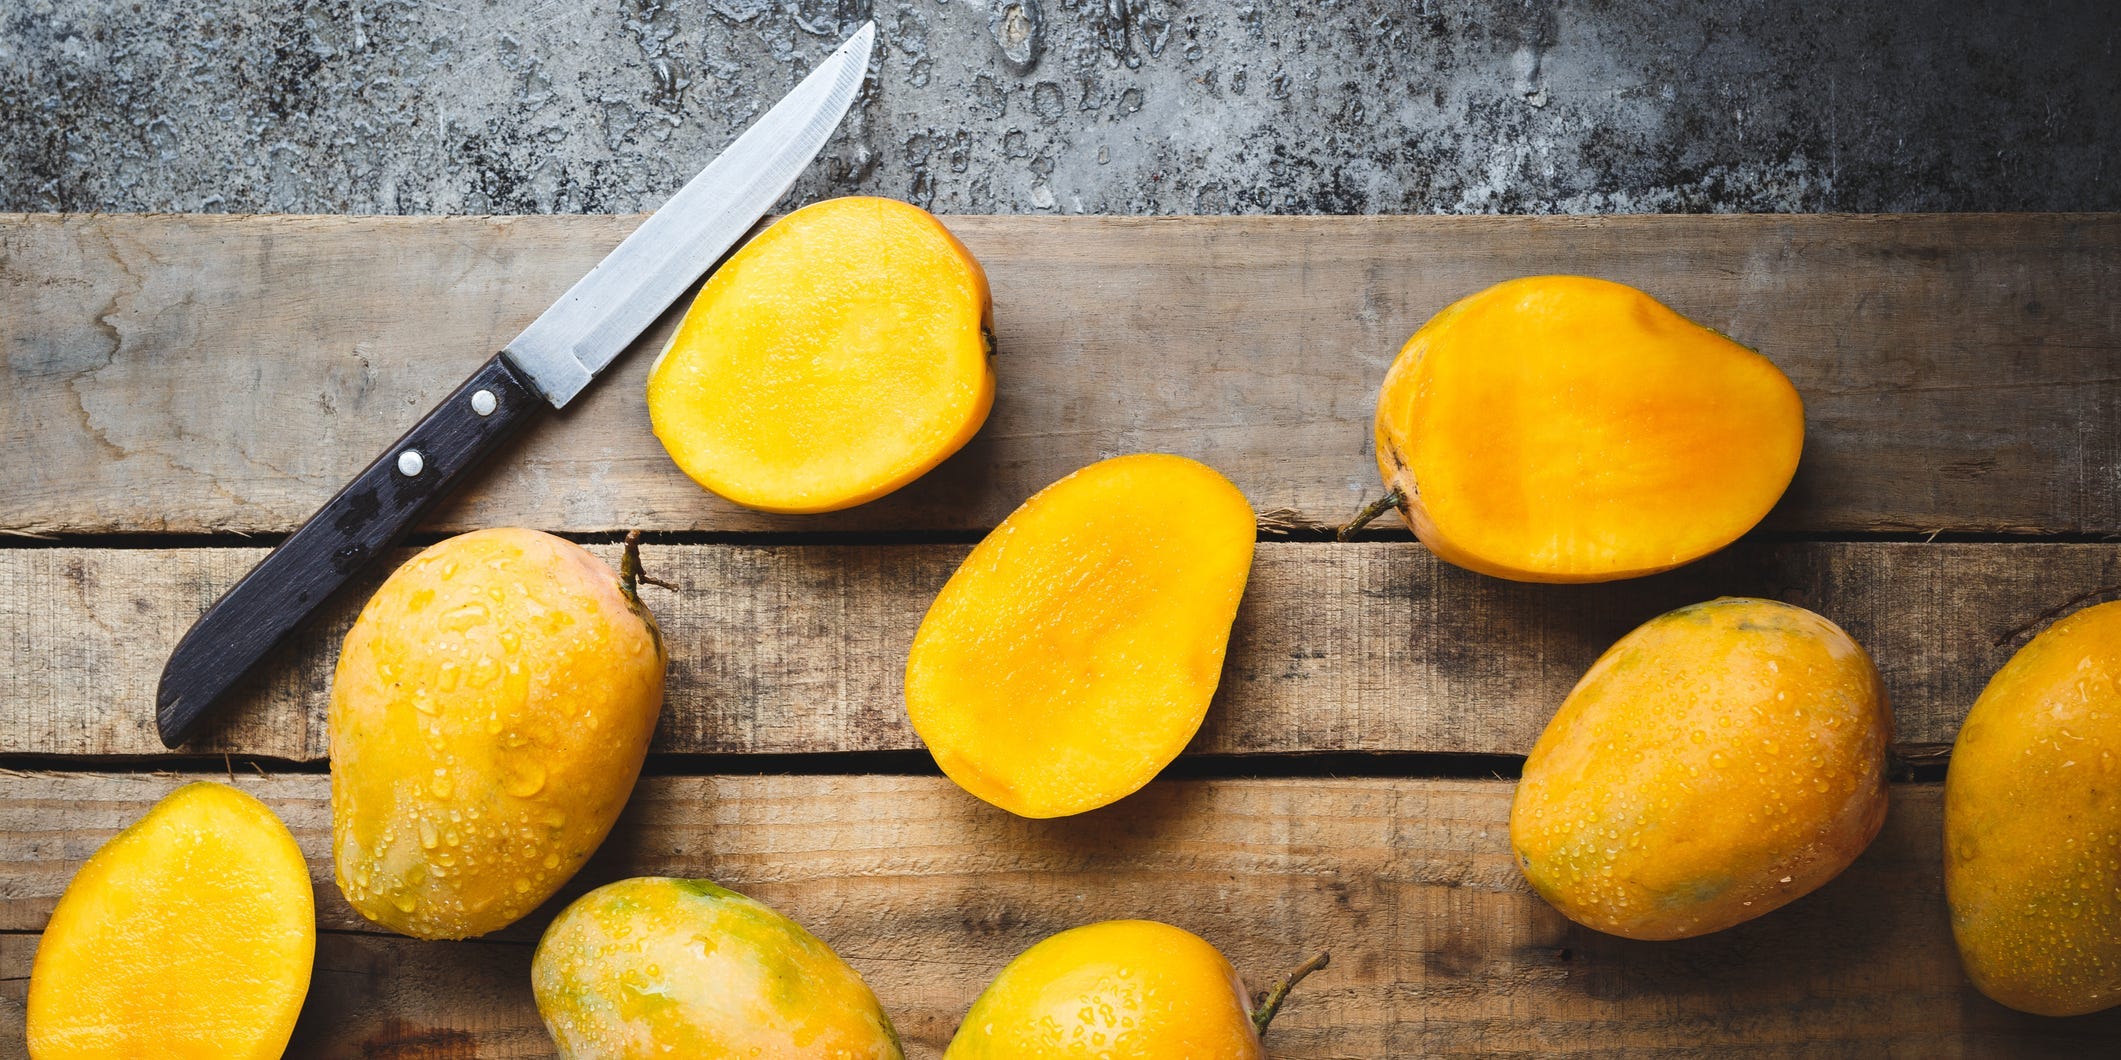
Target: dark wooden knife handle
[374,510]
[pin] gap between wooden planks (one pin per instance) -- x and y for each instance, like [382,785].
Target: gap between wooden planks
[1438,946]
[792,649]
[210,374]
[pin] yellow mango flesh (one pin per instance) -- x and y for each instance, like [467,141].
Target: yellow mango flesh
[190,934]
[1714,764]
[835,358]
[656,967]
[491,708]
[1075,651]
[2032,823]
[1117,990]
[1566,429]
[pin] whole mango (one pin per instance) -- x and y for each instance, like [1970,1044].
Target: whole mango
[190,934]
[1120,990]
[490,711]
[655,967]
[1713,765]
[2032,823]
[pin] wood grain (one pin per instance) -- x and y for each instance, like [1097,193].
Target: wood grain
[1439,948]
[210,374]
[787,649]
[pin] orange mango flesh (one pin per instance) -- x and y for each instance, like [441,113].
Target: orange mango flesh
[1567,429]
[1117,990]
[1075,651]
[2032,823]
[656,967]
[190,934]
[835,358]
[490,711]
[1713,765]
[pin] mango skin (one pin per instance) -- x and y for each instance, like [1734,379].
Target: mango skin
[2032,823]
[190,934]
[490,711]
[1116,990]
[1076,650]
[1572,429]
[655,967]
[1715,764]
[836,357]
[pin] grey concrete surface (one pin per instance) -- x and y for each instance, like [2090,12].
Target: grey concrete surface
[1101,106]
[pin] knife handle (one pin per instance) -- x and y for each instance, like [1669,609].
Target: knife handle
[364,519]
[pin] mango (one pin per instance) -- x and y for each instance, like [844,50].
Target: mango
[190,934]
[656,967]
[2032,823]
[1713,765]
[1567,429]
[490,711]
[836,357]
[1120,990]
[1074,652]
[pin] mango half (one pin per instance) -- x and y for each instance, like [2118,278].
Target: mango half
[1566,429]
[190,934]
[656,967]
[835,358]
[2032,823]
[490,711]
[1075,651]
[1117,990]
[1714,764]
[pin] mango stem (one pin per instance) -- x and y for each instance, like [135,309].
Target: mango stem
[630,573]
[1270,1002]
[1369,512]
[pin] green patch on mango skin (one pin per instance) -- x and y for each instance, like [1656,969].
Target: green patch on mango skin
[705,889]
[1692,893]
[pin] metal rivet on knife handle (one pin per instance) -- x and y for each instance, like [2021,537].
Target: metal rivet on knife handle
[411,463]
[484,402]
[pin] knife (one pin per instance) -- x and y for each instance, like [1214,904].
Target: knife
[546,365]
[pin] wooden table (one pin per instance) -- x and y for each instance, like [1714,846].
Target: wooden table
[179,391]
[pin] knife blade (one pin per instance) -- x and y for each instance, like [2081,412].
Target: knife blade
[545,366]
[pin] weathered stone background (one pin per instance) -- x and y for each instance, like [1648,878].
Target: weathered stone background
[1128,106]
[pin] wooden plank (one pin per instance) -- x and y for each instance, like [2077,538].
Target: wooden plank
[1372,646]
[1439,948]
[208,374]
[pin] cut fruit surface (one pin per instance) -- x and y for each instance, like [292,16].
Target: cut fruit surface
[190,934]
[1075,651]
[1568,429]
[835,358]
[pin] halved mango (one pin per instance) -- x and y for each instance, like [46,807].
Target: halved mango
[1566,429]
[1074,653]
[2032,823]
[835,358]
[1718,762]
[190,934]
